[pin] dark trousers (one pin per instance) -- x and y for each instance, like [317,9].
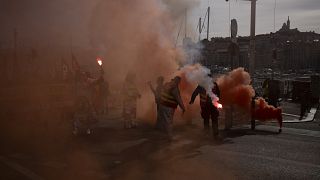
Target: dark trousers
[273,101]
[158,123]
[212,113]
[303,109]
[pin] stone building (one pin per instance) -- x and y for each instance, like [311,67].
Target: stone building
[286,49]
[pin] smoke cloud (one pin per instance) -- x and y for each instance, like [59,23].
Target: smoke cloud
[265,112]
[235,89]
[198,74]
[138,38]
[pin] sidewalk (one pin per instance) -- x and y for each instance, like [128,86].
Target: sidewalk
[291,113]
[293,118]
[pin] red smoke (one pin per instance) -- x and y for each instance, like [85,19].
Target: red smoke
[264,112]
[235,89]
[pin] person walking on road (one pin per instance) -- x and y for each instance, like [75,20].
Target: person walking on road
[169,100]
[208,110]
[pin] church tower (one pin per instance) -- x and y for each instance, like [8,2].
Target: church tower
[288,23]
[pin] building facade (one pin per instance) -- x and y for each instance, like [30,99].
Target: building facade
[285,50]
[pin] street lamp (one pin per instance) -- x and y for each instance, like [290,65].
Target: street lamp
[229,114]
[252,36]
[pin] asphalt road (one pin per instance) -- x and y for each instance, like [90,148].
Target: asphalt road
[113,153]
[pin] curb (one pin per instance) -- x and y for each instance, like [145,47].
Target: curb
[309,118]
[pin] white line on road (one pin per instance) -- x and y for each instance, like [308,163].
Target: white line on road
[278,159]
[292,131]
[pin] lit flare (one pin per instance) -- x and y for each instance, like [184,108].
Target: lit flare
[217,105]
[99,60]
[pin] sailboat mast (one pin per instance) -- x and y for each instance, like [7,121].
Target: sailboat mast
[208,23]
[185,23]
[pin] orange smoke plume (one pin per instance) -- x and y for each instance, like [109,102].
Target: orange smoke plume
[264,112]
[186,89]
[235,89]
[134,42]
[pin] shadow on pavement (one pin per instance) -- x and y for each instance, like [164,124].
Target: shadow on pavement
[234,133]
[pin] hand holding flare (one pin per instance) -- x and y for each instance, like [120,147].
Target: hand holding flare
[99,60]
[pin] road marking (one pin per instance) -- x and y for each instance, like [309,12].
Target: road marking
[28,173]
[293,131]
[293,115]
[278,159]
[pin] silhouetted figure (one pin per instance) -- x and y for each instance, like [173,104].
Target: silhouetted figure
[102,93]
[265,87]
[208,110]
[273,93]
[169,101]
[84,117]
[157,95]
[304,102]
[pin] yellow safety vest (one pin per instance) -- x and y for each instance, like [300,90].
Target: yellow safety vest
[167,99]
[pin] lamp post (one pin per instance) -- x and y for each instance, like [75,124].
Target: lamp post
[252,36]
[229,111]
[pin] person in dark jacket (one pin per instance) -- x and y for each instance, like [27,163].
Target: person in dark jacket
[273,93]
[208,110]
[304,103]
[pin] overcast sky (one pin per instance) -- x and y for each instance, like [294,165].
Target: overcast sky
[58,19]
[304,15]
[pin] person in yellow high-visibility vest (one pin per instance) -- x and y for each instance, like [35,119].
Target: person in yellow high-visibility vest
[170,99]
